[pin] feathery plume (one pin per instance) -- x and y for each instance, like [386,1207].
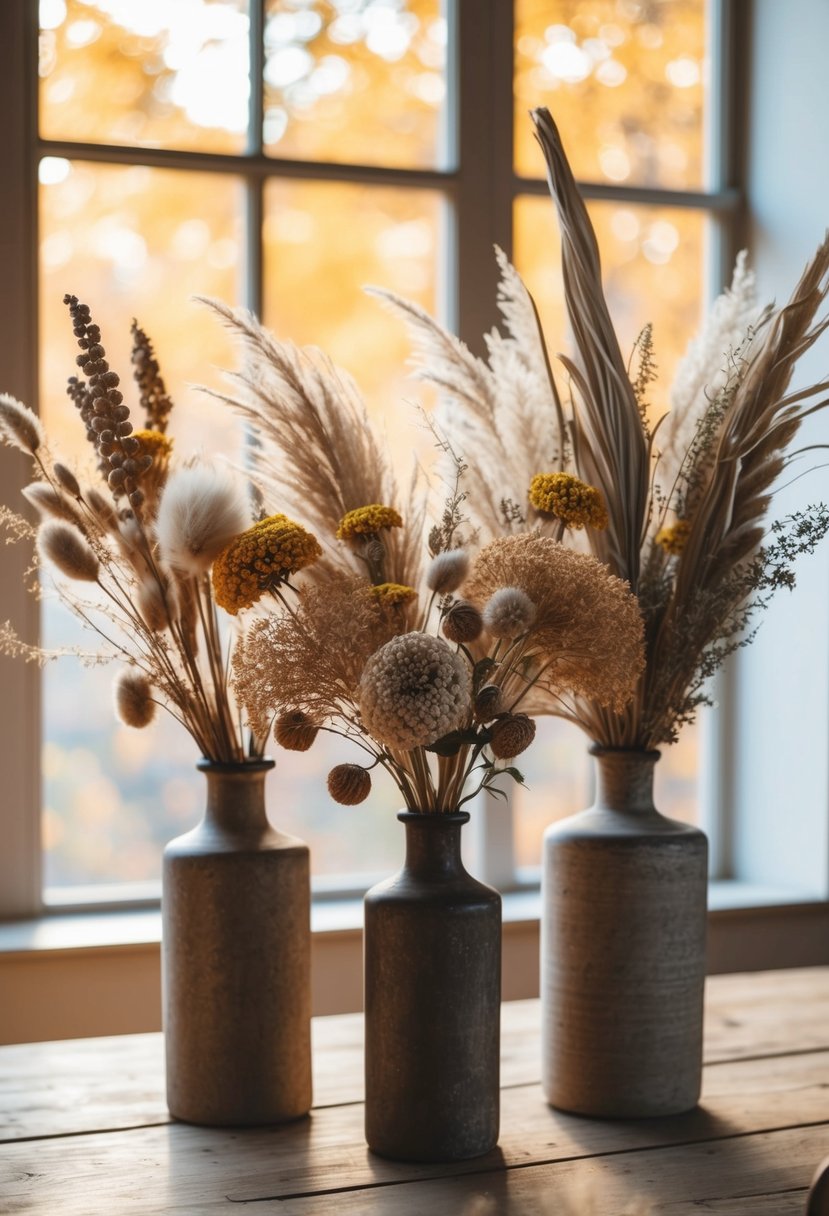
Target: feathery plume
[202,509]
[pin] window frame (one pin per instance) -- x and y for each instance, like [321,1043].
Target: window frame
[480,185]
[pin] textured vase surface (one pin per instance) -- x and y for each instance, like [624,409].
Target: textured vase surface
[623,951]
[432,1002]
[236,952]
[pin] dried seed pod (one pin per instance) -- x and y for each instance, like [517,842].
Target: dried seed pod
[462,623]
[511,735]
[489,703]
[295,731]
[349,784]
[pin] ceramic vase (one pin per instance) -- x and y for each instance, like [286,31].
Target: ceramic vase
[432,1001]
[236,960]
[623,950]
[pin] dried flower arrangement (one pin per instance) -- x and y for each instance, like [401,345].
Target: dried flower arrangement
[677,510]
[133,553]
[426,656]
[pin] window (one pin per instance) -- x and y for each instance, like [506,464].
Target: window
[282,153]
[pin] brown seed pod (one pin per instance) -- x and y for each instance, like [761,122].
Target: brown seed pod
[488,703]
[511,735]
[349,784]
[462,623]
[295,731]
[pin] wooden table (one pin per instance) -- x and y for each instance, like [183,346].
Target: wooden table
[84,1130]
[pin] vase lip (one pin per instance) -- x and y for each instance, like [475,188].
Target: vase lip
[646,753]
[262,764]
[442,817]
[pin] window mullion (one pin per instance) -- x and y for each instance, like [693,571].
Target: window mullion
[20,823]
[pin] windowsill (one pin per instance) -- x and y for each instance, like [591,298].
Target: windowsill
[106,930]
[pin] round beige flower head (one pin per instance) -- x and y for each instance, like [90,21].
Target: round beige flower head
[413,690]
[508,613]
[447,571]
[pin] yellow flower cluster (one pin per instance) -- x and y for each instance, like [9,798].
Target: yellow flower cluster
[363,521]
[259,559]
[394,593]
[673,538]
[154,444]
[572,501]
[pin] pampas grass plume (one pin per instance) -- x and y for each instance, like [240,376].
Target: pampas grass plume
[202,509]
[64,546]
[133,699]
[19,427]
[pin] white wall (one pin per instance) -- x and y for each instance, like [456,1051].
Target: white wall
[781,776]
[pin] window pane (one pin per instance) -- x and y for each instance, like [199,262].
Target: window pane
[145,73]
[627,83]
[323,243]
[653,264]
[362,82]
[128,243]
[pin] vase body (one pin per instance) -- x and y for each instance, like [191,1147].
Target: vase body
[432,1002]
[236,960]
[623,951]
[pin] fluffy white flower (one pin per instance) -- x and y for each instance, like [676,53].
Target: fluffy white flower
[414,690]
[202,509]
[447,571]
[508,613]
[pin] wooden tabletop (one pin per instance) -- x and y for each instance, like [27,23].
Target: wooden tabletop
[84,1130]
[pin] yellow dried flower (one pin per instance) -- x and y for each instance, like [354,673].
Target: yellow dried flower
[364,521]
[259,559]
[673,538]
[349,784]
[572,501]
[391,594]
[154,444]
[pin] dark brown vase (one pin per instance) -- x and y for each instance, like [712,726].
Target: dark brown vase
[432,1001]
[236,952]
[623,950]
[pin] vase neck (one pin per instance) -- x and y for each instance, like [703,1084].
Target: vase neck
[236,796]
[624,779]
[433,843]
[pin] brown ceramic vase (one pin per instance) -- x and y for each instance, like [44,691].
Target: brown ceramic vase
[623,951]
[236,960]
[432,1002]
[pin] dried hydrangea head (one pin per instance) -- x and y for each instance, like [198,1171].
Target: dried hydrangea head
[134,702]
[447,571]
[508,613]
[587,621]
[368,521]
[66,548]
[202,508]
[571,500]
[295,731]
[349,784]
[674,537]
[392,594]
[259,560]
[414,690]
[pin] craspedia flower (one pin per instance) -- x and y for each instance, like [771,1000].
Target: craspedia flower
[134,699]
[67,549]
[511,735]
[674,538]
[571,500]
[508,613]
[154,444]
[259,560]
[365,521]
[447,571]
[295,731]
[462,623]
[413,690]
[391,594]
[488,703]
[349,784]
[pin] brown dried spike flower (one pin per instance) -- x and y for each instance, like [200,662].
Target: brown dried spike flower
[295,731]
[349,784]
[155,400]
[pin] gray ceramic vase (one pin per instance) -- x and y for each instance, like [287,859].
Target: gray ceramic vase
[236,953]
[623,951]
[432,1002]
